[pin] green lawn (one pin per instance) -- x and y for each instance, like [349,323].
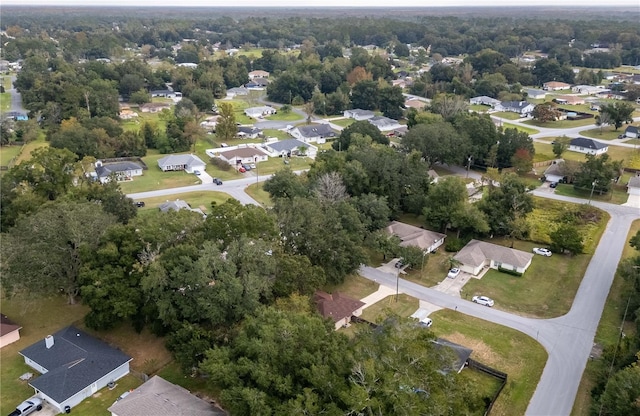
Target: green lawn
[608,331]
[9,152]
[30,147]
[404,306]
[629,156]
[275,164]
[153,178]
[354,286]
[257,192]
[561,124]
[343,122]
[502,348]
[479,108]
[604,133]
[281,135]
[280,116]
[5,101]
[617,196]
[508,115]
[520,128]
[549,285]
[98,404]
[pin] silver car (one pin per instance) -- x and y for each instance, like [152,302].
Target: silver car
[483,300]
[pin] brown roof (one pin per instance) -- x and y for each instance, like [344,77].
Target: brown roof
[336,306]
[7,325]
[413,236]
[476,252]
[242,152]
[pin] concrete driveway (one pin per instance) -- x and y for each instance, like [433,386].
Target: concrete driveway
[205,177]
[633,201]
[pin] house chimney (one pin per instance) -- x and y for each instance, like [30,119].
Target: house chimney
[48,341]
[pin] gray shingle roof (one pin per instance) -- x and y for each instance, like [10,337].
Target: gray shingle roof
[184,160]
[287,145]
[476,252]
[316,130]
[381,121]
[74,362]
[158,397]
[107,169]
[631,129]
[414,236]
[587,143]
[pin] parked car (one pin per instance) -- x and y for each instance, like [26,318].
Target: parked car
[253,166]
[453,273]
[140,204]
[217,181]
[224,145]
[425,323]
[28,407]
[553,184]
[542,251]
[483,300]
[399,264]
[197,172]
[246,167]
[242,169]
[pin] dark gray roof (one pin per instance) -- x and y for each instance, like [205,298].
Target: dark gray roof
[587,143]
[74,362]
[631,129]
[287,145]
[316,130]
[108,169]
[249,130]
[462,353]
[515,104]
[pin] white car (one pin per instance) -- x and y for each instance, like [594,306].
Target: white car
[542,251]
[483,300]
[197,172]
[453,273]
[27,407]
[426,323]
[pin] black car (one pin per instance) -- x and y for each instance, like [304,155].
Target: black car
[246,167]
[553,184]
[140,204]
[217,181]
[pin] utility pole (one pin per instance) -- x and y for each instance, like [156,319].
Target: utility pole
[593,187]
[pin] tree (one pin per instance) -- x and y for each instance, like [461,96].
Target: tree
[202,98]
[226,127]
[365,95]
[285,184]
[444,200]
[522,161]
[545,112]
[329,188]
[597,173]
[391,102]
[296,274]
[449,106]
[363,128]
[559,146]
[619,112]
[506,204]
[603,119]
[358,74]
[438,143]
[566,238]
[511,140]
[42,253]
[140,97]
[620,397]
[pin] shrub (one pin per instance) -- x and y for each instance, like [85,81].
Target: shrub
[454,244]
[509,271]
[220,164]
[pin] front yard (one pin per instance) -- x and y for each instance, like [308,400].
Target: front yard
[549,285]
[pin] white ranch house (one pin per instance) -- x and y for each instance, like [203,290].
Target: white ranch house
[188,163]
[587,146]
[426,240]
[477,255]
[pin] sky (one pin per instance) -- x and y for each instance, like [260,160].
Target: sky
[329,3]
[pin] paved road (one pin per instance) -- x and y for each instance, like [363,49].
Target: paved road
[568,339]
[16,98]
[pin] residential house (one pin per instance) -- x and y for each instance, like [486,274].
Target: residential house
[399,132]
[536,94]
[154,107]
[210,123]
[459,353]
[588,146]
[569,100]
[402,83]
[555,86]
[313,133]
[415,103]
[291,147]
[259,112]
[477,255]
[384,123]
[433,176]
[190,65]
[242,155]
[257,84]
[74,366]
[159,397]
[121,171]
[337,307]
[358,114]
[484,100]
[631,131]
[555,172]
[248,132]
[188,163]
[633,187]
[166,94]
[586,89]
[236,91]
[178,205]
[9,331]
[428,241]
[521,107]
[258,74]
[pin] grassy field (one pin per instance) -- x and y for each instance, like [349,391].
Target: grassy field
[281,135]
[604,133]
[479,108]
[629,156]
[507,115]
[280,116]
[527,130]
[344,122]
[9,152]
[504,349]
[354,286]
[257,192]
[549,285]
[561,124]
[153,178]
[608,331]
[618,195]
[379,311]
[5,102]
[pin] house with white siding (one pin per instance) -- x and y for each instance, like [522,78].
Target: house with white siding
[73,366]
[477,255]
[587,146]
